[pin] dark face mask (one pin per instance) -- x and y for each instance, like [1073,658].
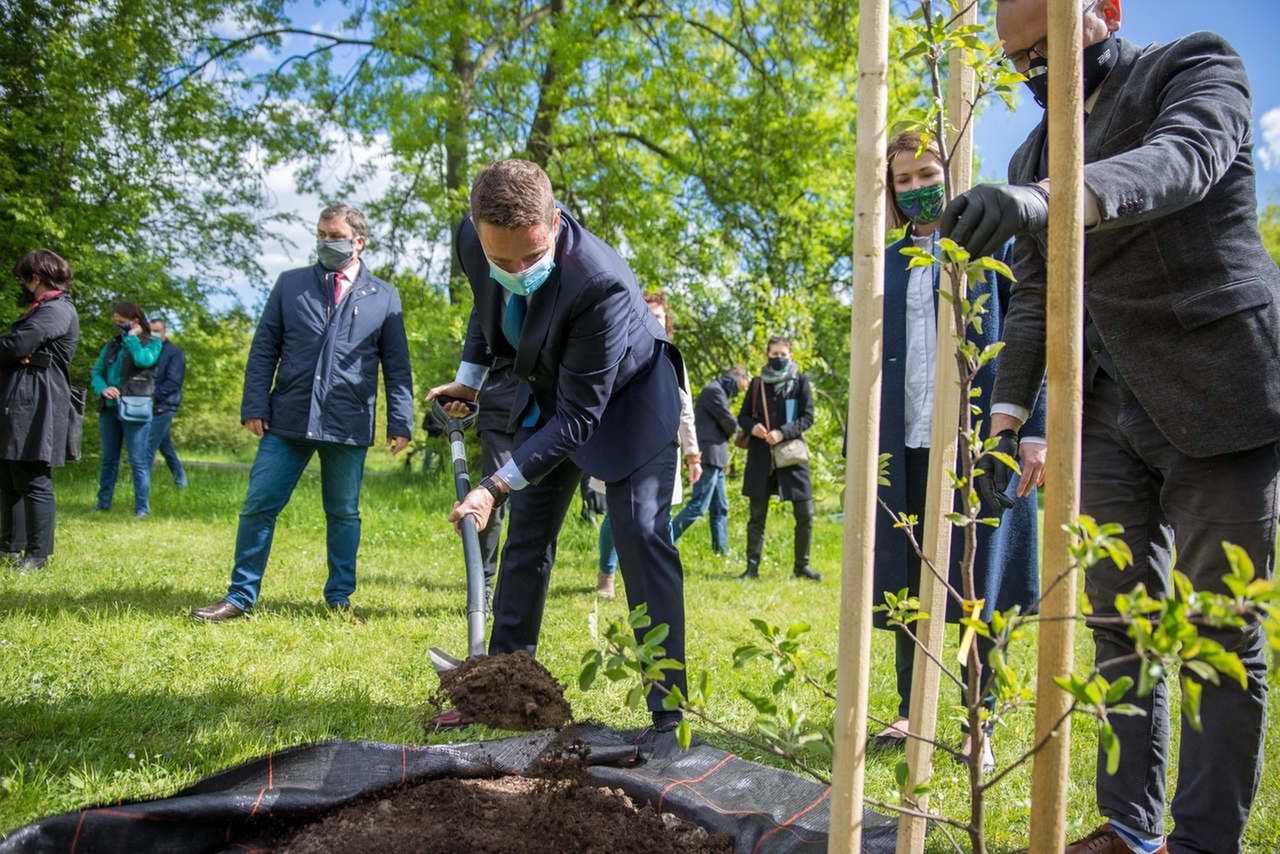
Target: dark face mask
[23,297]
[1099,59]
[777,363]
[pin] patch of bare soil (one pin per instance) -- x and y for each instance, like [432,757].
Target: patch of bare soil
[509,691]
[507,814]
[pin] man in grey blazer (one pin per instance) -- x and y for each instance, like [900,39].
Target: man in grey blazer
[1182,398]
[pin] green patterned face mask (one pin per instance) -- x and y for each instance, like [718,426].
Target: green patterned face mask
[923,204]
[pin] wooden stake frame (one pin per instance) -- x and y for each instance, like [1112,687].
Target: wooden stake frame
[861,465]
[1064,357]
[926,676]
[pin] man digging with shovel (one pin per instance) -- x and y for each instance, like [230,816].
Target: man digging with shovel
[598,393]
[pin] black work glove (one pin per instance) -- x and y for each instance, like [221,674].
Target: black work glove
[983,219]
[993,485]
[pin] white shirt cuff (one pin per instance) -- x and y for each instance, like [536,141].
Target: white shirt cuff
[470,374]
[1013,410]
[510,475]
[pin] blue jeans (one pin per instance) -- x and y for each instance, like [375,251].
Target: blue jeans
[161,441]
[608,553]
[708,494]
[114,433]
[276,469]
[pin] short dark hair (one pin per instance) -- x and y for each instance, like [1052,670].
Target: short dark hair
[739,373]
[46,266]
[778,339]
[512,194]
[352,215]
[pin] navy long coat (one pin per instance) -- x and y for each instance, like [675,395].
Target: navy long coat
[1006,569]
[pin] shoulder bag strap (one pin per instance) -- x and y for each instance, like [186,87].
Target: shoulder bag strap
[763,403]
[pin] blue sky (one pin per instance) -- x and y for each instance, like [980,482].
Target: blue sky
[1251,26]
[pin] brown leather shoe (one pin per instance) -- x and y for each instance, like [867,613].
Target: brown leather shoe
[219,612]
[1104,840]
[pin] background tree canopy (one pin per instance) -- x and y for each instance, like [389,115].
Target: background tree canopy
[711,141]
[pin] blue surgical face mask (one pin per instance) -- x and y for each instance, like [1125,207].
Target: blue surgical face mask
[529,279]
[124,327]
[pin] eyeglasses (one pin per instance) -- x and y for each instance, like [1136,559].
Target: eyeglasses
[1020,60]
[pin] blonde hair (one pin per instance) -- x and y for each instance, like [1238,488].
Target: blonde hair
[908,141]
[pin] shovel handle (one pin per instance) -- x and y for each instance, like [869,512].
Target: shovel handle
[475,587]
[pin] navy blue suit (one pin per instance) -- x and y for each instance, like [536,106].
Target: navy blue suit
[604,379]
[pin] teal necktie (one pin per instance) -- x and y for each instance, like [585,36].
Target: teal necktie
[512,321]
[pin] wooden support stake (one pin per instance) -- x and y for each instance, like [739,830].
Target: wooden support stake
[861,466]
[926,676]
[1065,351]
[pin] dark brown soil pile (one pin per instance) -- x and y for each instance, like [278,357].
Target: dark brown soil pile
[506,691]
[509,814]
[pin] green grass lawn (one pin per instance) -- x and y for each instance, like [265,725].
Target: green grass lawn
[109,691]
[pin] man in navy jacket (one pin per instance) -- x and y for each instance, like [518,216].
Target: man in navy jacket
[171,372]
[310,387]
[598,394]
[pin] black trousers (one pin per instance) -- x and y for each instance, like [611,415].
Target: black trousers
[1166,499]
[640,507]
[916,462]
[495,449]
[27,511]
[803,512]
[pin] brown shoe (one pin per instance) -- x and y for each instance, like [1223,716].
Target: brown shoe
[604,585]
[219,612]
[1104,840]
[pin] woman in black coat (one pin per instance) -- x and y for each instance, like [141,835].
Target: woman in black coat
[35,404]
[778,407]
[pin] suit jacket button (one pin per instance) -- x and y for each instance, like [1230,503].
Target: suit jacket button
[531,378]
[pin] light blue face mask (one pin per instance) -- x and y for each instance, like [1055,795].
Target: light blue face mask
[529,279]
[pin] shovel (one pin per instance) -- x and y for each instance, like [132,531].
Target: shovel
[453,428]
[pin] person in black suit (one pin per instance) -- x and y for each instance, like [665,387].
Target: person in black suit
[778,407]
[599,393]
[715,425]
[1181,403]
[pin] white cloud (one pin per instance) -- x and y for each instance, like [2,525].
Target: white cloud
[1269,146]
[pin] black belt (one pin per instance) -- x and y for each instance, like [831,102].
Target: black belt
[39,360]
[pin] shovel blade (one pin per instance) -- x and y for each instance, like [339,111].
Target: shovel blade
[442,661]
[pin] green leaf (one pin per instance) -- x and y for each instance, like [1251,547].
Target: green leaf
[684,734]
[588,675]
[900,772]
[1110,743]
[1191,691]
[657,634]
[634,696]
[1118,689]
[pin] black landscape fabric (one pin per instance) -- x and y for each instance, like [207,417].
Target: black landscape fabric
[242,809]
